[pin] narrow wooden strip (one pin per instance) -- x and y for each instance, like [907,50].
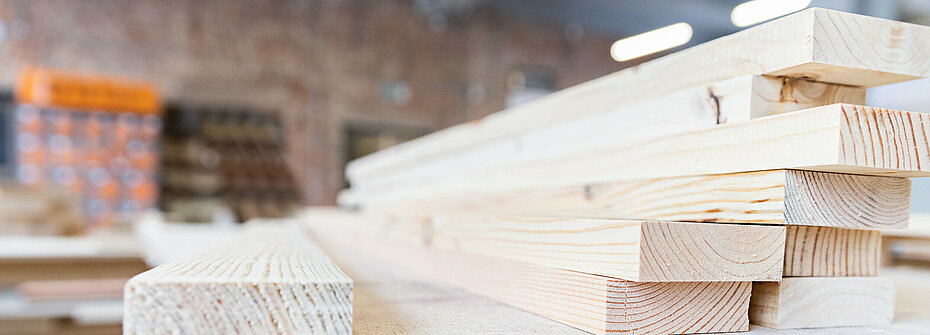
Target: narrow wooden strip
[831,252]
[596,304]
[836,138]
[806,302]
[633,250]
[789,197]
[269,280]
[818,44]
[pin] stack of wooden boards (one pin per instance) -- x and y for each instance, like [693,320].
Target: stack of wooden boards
[655,199]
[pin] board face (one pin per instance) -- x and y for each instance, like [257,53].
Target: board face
[268,280]
[833,138]
[596,304]
[789,197]
[807,302]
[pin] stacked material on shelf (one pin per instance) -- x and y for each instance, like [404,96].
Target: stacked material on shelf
[58,285]
[745,159]
[30,211]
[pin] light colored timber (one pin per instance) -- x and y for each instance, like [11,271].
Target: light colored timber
[732,100]
[596,304]
[640,251]
[779,95]
[269,280]
[836,138]
[807,302]
[817,44]
[790,197]
[831,252]
[393,300]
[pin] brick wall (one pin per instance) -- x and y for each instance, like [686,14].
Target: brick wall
[321,63]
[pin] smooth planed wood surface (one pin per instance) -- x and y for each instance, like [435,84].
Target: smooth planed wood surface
[837,138]
[807,302]
[817,44]
[389,299]
[633,250]
[790,197]
[596,304]
[732,100]
[831,252]
[270,280]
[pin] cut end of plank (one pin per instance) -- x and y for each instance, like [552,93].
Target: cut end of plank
[845,200]
[270,280]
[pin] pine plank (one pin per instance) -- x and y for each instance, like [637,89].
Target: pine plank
[731,100]
[790,197]
[836,138]
[597,304]
[807,302]
[269,280]
[817,44]
[391,300]
[640,251]
[831,252]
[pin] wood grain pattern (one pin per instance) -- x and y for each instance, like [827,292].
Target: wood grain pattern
[789,197]
[831,252]
[393,300]
[779,95]
[270,280]
[817,44]
[837,138]
[731,100]
[633,250]
[596,304]
[807,302]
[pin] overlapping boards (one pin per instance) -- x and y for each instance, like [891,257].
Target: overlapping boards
[749,132]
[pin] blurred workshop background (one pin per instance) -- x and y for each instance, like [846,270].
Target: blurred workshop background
[118,117]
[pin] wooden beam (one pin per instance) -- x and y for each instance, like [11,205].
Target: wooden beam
[790,197]
[807,302]
[269,280]
[596,304]
[831,252]
[837,138]
[640,251]
[817,44]
[728,101]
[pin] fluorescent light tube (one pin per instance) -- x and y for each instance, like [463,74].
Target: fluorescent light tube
[651,42]
[752,12]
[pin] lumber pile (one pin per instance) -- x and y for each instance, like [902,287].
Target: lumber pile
[655,199]
[268,280]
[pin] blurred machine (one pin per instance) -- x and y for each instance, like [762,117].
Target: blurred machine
[94,136]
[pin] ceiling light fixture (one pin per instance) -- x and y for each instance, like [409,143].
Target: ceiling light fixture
[752,12]
[651,42]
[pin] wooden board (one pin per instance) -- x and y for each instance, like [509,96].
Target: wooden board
[391,300]
[732,100]
[789,197]
[596,304]
[818,44]
[269,280]
[640,251]
[807,302]
[836,138]
[831,252]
